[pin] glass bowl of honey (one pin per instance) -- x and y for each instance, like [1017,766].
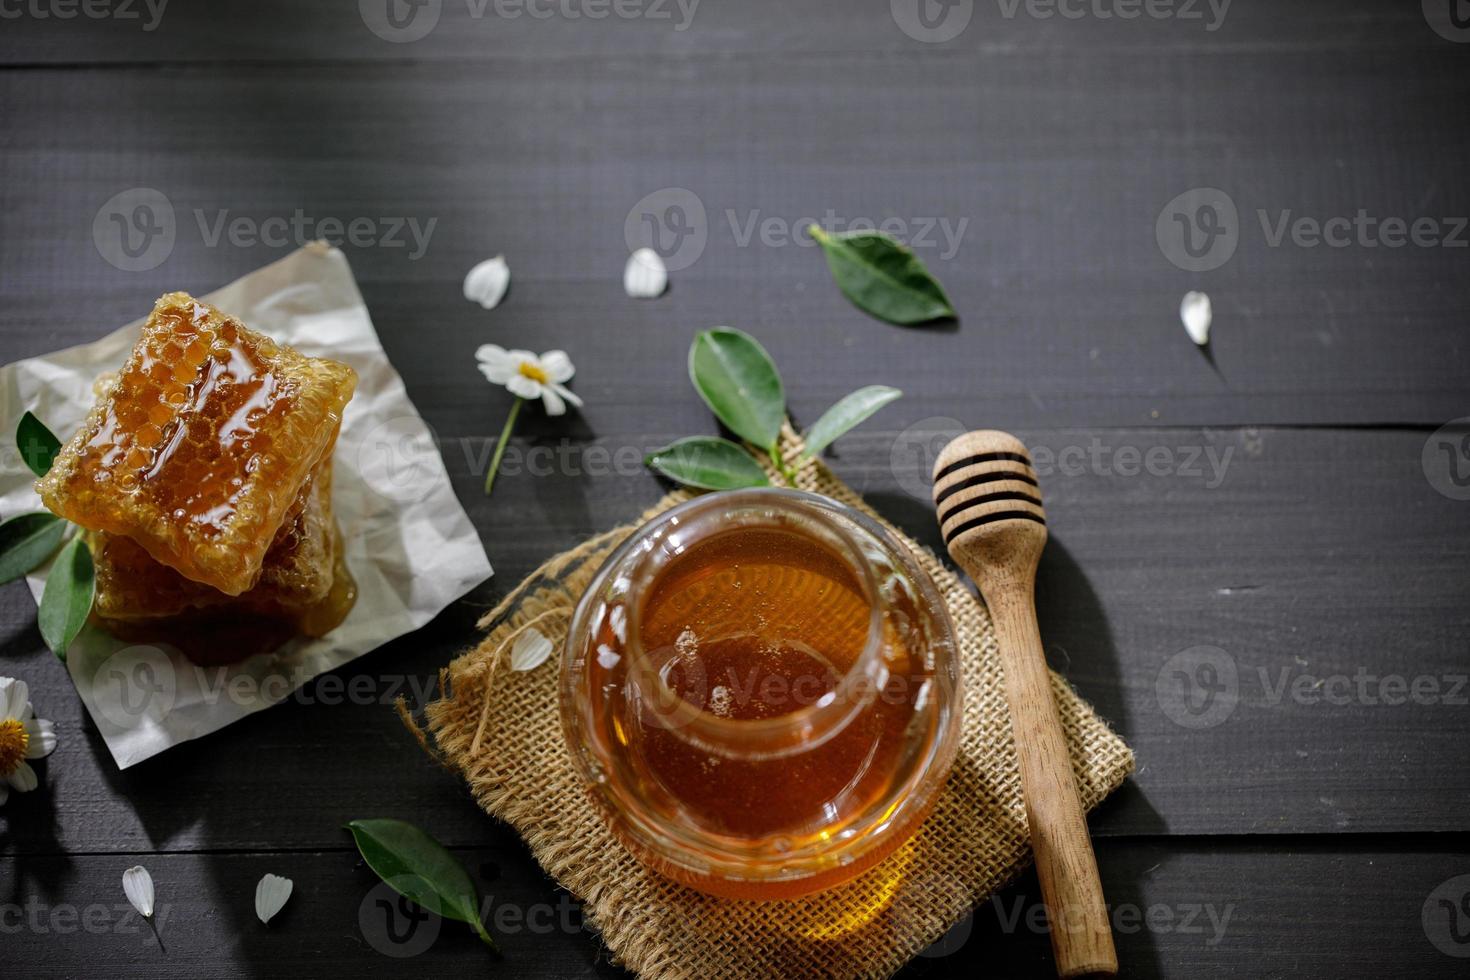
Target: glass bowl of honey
[762,692]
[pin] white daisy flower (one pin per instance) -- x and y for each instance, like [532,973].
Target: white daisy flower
[23,736]
[529,376]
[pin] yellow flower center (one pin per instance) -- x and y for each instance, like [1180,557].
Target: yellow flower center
[13,744]
[534,372]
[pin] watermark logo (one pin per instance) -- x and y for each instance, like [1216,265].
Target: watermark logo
[1198,687]
[135,686]
[672,222]
[1211,13]
[148,12]
[932,21]
[1446,917]
[1450,19]
[1198,230]
[1202,686]
[1446,459]
[916,449]
[395,925]
[135,230]
[400,21]
[399,459]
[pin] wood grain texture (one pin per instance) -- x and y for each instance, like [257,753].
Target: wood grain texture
[1226,907]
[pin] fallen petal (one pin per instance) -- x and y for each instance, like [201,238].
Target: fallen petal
[529,651]
[1196,313]
[138,886]
[487,282]
[645,276]
[270,896]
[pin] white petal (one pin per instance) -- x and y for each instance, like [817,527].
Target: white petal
[23,778]
[271,895]
[519,357]
[554,403]
[42,738]
[495,363]
[486,283]
[568,394]
[645,276]
[138,885]
[557,365]
[617,618]
[607,656]
[523,386]
[1196,313]
[13,697]
[529,651]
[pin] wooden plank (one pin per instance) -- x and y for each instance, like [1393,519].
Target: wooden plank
[1057,165]
[1313,557]
[1180,908]
[39,32]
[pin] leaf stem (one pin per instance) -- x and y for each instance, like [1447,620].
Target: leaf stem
[510,424]
[786,471]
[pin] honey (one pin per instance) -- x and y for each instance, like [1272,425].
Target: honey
[201,445]
[760,689]
[296,571]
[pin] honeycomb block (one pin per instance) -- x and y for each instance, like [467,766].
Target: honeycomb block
[296,573]
[200,447]
[243,626]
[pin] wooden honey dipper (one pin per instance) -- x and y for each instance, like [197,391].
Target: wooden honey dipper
[994,525]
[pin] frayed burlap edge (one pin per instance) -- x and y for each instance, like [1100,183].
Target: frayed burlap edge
[501,731]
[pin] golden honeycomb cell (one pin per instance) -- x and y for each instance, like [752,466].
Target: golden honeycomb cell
[242,626]
[199,448]
[296,573]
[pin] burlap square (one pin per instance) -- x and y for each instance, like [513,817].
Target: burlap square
[501,730]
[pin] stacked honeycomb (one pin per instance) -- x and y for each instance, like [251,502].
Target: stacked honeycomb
[203,476]
[202,445]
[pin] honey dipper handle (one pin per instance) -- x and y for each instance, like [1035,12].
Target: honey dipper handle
[1081,936]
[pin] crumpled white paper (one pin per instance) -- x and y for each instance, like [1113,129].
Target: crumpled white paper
[408,541]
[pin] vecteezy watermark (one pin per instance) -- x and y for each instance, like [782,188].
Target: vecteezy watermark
[1202,686]
[932,21]
[1204,919]
[916,449]
[674,223]
[136,229]
[1199,230]
[936,21]
[1450,19]
[1446,917]
[141,685]
[399,927]
[1446,459]
[404,21]
[43,918]
[148,13]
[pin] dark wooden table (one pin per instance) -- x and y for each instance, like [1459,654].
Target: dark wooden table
[1258,570]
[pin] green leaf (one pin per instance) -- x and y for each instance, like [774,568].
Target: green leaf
[419,868]
[68,597]
[708,463]
[883,277]
[738,381]
[26,541]
[38,446]
[850,411]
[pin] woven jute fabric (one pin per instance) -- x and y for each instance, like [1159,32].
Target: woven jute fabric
[501,730]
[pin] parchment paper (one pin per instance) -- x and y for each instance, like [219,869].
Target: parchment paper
[408,541]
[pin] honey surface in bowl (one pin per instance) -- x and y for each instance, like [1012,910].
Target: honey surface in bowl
[203,443]
[296,574]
